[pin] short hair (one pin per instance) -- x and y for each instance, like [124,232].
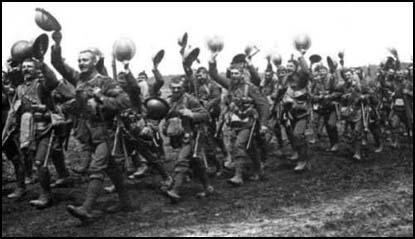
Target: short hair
[94,56]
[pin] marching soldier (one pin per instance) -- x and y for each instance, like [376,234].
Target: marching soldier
[325,94]
[10,132]
[246,107]
[209,94]
[37,126]
[141,131]
[185,124]
[98,100]
[296,109]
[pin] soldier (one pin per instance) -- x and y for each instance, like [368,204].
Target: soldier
[98,100]
[402,98]
[352,99]
[276,97]
[296,109]
[245,106]
[37,124]
[185,124]
[209,95]
[10,132]
[325,95]
[141,131]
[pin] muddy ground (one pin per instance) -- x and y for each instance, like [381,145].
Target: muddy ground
[337,197]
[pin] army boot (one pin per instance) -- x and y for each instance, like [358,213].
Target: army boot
[173,193]
[123,203]
[45,198]
[237,179]
[84,212]
[18,193]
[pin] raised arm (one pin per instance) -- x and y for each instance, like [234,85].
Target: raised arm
[64,69]
[213,72]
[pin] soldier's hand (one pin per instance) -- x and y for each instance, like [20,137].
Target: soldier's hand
[126,65]
[57,37]
[213,56]
[263,129]
[186,112]
[146,131]
[155,65]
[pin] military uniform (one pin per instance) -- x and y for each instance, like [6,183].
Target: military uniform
[95,128]
[35,116]
[209,94]
[325,97]
[296,112]
[150,144]
[245,106]
[11,146]
[185,133]
[402,98]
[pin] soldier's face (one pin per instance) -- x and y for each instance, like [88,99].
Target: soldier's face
[290,67]
[268,76]
[28,69]
[177,89]
[202,77]
[323,72]
[86,62]
[282,74]
[236,76]
[348,75]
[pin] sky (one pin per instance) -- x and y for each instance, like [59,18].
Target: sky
[362,30]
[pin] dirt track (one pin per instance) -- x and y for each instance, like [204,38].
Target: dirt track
[337,198]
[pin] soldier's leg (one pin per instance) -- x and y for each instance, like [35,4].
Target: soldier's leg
[115,174]
[257,164]
[330,122]
[300,144]
[240,155]
[375,129]
[227,139]
[98,164]
[156,157]
[86,159]
[58,159]
[395,123]
[357,130]
[28,166]
[14,155]
[210,145]
[278,134]
[45,197]
[181,168]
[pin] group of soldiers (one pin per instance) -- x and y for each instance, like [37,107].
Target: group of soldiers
[238,114]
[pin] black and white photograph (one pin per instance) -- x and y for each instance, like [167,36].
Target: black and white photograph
[207,119]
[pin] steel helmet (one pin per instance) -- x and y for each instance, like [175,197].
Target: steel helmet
[124,49]
[302,42]
[157,108]
[215,44]
[46,21]
[21,50]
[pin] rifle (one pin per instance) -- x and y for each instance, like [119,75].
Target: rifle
[52,137]
[251,134]
[364,117]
